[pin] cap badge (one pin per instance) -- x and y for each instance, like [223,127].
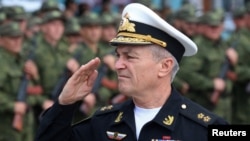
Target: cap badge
[119,117]
[125,25]
[168,120]
[115,135]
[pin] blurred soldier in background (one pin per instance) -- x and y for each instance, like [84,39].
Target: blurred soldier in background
[12,70]
[72,33]
[51,55]
[178,19]
[34,89]
[70,8]
[239,73]
[75,47]
[205,68]
[91,31]
[109,81]
[17,14]
[2,17]
[49,5]
[185,20]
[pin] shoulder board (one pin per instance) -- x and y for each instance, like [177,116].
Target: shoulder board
[101,111]
[197,113]
[107,109]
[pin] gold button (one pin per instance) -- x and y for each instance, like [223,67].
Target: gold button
[183,106]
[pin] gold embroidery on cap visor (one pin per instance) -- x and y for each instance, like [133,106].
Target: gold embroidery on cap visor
[132,38]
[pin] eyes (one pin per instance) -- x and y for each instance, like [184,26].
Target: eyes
[127,56]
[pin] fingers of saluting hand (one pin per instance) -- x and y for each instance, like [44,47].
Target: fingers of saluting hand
[86,71]
[80,84]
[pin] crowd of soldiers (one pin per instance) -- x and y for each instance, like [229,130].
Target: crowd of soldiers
[217,77]
[45,47]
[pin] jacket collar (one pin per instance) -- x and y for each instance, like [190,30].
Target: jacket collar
[166,117]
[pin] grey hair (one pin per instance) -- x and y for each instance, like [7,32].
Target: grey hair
[159,53]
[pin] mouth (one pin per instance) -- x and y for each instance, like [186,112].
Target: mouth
[122,76]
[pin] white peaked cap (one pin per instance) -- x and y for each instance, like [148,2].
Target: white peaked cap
[140,26]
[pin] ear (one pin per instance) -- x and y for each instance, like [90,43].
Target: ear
[166,66]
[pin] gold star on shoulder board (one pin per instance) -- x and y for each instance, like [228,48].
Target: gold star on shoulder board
[204,117]
[200,115]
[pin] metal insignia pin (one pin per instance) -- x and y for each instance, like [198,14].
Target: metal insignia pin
[119,117]
[115,135]
[168,120]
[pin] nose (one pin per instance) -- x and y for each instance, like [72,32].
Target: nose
[119,64]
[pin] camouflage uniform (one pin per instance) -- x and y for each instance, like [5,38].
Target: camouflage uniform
[204,67]
[109,87]
[50,60]
[240,92]
[10,79]
[187,15]
[2,18]
[91,21]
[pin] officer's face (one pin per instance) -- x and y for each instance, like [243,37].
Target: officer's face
[136,70]
[12,44]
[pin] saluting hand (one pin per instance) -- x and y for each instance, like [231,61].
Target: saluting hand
[80,83]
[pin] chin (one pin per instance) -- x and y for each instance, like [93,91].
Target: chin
[126,91]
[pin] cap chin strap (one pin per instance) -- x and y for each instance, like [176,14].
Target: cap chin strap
[144,37]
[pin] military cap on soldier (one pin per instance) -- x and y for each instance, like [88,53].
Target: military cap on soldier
[16,13]
[52,15]
[141,26]
[188,13]
[147,3]
[185,11]
[11,29]
[212,18]
[49,5]
[191,19]
[248,7]
[199,19]
[109,19]
[239,12]
[5,9]
[90,18]
[2,17]
[72,27]
[33,21]
[178,15]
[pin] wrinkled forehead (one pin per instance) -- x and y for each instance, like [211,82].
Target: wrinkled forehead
[135,49]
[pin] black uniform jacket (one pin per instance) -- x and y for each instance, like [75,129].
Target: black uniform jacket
[178,119]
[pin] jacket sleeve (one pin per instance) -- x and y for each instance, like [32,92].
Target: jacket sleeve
[55,123]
